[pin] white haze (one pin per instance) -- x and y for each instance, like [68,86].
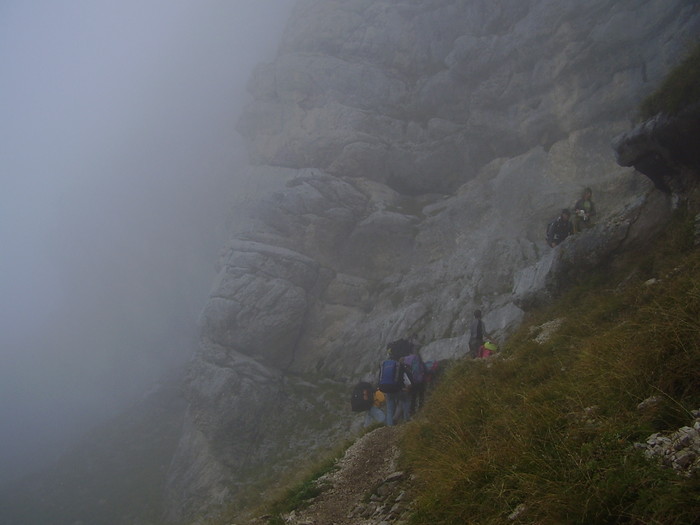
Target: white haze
[118,157]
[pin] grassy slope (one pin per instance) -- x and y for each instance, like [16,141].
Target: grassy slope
[681,88]
[549,428]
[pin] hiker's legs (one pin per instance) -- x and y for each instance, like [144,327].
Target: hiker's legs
[420,396]
[390,407]
[374,415]
[406,403]
[377,414]
[414,399]
[403,410]
[398,411]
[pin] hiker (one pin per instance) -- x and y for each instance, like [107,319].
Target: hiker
[487,349]
[375,414]
[393,380]
[477,334]
[366,398]
[414,363]
[399,348]
[405,397]
[433,371]
[584,210]
[559,229]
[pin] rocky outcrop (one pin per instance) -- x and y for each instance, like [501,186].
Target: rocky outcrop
[664,148]
[629,229]
[420,148]
[421,95]
[679,450]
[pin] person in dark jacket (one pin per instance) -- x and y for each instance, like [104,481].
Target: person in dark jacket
[395,382]
[403,405]
[559,229]
[477,334]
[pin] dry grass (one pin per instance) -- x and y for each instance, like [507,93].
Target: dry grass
[548,429]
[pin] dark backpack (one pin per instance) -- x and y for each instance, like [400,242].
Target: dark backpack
[362,397]
[399,348]
[416,366]
[390,376]
[550,231]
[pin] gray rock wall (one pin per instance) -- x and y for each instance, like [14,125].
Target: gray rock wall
[423,147]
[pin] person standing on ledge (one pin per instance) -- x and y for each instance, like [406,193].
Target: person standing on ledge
[477,334]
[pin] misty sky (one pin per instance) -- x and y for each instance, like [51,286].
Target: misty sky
[118,157]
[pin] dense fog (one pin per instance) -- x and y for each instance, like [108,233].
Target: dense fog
[118,159]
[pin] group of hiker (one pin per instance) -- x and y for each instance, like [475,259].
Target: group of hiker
[404,378]
[401,384]
[565,225]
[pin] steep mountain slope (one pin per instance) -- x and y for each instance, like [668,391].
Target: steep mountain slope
[407,156]
[588,414]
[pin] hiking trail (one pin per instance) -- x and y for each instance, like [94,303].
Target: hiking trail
[365,487]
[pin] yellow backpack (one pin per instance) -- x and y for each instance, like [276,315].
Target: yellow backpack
[379,398]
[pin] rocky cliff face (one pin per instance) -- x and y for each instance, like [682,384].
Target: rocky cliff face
[406,159]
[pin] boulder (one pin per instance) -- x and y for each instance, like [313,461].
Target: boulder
[664,148]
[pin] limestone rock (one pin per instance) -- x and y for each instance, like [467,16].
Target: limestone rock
[407,157]
[259,301]
[679,450]
[663,148]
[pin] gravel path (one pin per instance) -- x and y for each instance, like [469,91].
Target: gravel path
[365,489]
